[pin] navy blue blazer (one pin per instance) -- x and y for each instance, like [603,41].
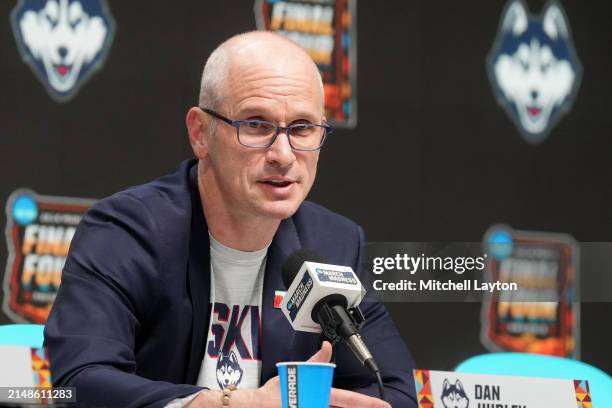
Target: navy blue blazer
[129,325]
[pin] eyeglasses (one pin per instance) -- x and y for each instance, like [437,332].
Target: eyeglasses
[261,134]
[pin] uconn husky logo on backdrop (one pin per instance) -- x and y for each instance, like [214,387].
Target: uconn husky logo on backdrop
[63,41]
[533,68]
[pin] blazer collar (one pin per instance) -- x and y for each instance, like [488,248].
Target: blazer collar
[278,335]
[198,280]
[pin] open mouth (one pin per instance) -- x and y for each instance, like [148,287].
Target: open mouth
[277,183]
[534,111]
[62,70]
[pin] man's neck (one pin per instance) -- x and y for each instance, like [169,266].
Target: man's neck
[242,232]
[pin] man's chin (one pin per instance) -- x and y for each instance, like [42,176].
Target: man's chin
[279,210]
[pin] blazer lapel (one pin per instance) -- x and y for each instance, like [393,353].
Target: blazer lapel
[277,334]
[199,281]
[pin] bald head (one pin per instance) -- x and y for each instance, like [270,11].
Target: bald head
[256,47]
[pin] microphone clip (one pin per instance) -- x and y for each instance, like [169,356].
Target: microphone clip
[337,321]
[357,315]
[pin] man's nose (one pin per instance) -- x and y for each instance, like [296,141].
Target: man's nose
[281,152]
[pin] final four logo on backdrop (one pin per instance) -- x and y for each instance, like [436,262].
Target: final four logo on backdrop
[39,230]
[543,315]
[327,30]
[63,41]
[533,68]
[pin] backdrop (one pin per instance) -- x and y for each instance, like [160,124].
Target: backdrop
[433,156]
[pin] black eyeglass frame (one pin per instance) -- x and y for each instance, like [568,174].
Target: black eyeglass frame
[287,130]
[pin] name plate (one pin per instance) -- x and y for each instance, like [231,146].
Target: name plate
[448,389]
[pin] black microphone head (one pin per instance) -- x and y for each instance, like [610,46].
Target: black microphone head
[294,262]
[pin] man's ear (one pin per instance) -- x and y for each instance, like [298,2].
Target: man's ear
[197,128]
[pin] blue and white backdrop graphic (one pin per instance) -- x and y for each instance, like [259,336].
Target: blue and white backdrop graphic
[533,68]
[63,41]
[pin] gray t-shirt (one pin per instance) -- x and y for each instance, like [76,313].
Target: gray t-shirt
[232,354]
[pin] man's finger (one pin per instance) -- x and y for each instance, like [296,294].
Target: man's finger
[323,355]
[343,398]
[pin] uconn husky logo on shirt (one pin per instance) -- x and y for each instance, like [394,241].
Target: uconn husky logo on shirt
[233,354]
[533,68]
[229,371]
[63,41]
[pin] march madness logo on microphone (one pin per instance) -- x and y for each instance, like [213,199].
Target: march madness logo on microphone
[328,275]
[63,41]
[299,295]
[533,68]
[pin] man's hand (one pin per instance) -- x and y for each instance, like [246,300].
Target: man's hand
[268,395]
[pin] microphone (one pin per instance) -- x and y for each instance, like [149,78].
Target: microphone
[325,298]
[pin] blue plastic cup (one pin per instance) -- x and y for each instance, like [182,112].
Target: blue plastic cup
[305,384]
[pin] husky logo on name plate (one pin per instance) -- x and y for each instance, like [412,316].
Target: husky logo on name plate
[63,41]
[533,68]
[453,395]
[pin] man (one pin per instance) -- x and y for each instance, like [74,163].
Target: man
[172,283]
